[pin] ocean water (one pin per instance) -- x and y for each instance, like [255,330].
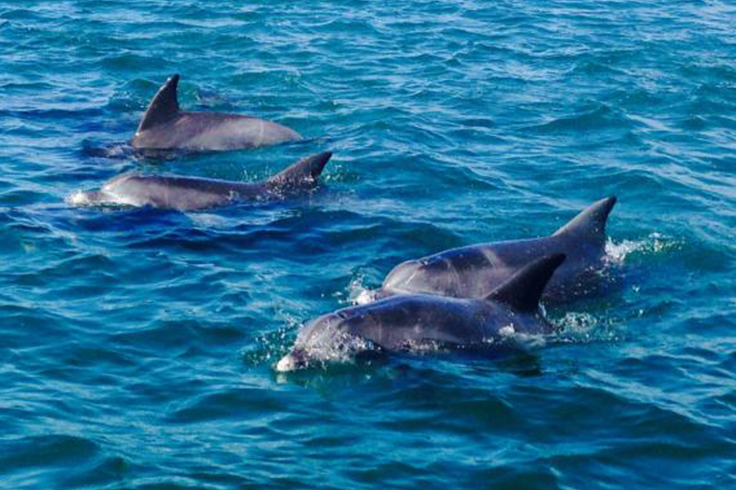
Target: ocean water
[137,346]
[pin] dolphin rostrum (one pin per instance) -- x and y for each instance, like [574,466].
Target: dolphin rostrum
[165,127]
[190,193]
[469,272]
[417,321]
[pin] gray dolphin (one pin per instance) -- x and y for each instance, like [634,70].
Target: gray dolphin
[165,127]
[189,193]
[415,321]
[469,272]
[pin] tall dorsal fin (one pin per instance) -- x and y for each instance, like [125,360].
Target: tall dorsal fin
[590,224]
[305,170]
[164,106]
[524,289]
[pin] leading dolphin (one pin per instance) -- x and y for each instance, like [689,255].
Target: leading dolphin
[165,127]
[416,321]
[469,272]
[190,193]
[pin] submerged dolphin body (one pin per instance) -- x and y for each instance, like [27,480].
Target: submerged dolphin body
[469,272]
[165,127]
[190,193]
[415,321]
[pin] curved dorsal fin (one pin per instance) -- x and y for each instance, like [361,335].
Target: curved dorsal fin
[164,106]
[305,170]
[524,289]
[590,224]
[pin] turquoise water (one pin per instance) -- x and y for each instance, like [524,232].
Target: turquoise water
[137,346]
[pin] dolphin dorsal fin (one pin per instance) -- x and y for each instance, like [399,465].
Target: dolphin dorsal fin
[305,170]
[524,289]
[163,106]
[590,224]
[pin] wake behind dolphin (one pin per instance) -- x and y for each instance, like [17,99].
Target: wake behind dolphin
[191,193]
[469,272]
[165,127]
[410,322]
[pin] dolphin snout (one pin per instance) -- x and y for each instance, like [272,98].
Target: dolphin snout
[292,361]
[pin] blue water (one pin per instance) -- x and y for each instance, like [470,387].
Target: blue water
[137,346]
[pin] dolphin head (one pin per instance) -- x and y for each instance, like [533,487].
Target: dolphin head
[334,337]
[314,344]
[460,272]
[409,275]
[428,275]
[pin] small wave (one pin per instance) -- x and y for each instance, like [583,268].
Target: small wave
[210,221]
[601,117]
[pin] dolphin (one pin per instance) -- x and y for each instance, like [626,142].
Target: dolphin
[165,127]
[469,272]
[417,321]
[191,193]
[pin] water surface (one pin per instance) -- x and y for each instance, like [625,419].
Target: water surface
[137,346]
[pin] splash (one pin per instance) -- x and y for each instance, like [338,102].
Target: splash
[655,243]
[359,293]
[584,327]
[518,340]
[364,297]
[79,198]
[270,346]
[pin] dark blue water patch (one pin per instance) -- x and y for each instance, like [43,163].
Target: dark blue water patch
[25,457]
